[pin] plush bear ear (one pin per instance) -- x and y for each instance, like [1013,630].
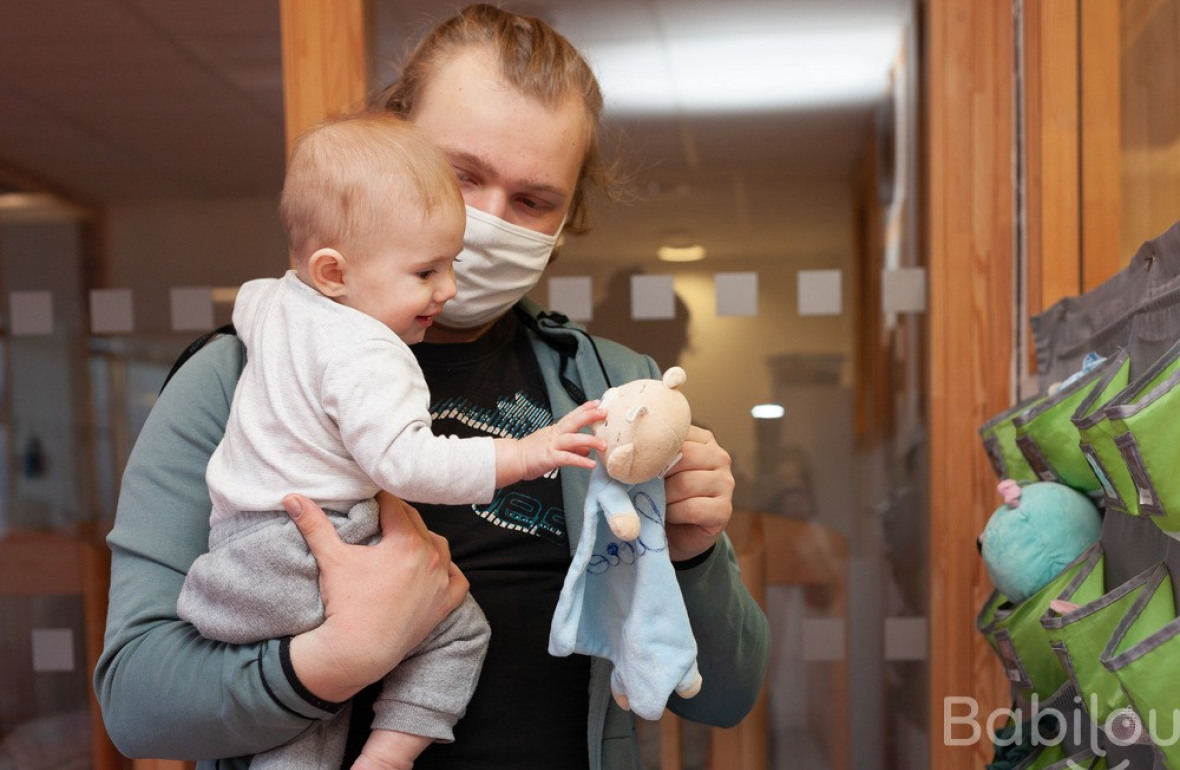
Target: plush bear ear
[618,464]
[674,377]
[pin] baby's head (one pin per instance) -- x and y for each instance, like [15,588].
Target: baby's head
[374,218]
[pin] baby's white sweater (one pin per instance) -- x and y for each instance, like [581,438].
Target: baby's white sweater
[333,405]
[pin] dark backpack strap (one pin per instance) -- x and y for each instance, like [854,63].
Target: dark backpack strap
[196,345]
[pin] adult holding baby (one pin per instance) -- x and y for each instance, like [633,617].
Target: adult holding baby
[515,109]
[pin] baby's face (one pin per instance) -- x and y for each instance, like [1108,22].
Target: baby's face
[406,281]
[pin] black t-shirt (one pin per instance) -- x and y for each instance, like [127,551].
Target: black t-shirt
[530,709]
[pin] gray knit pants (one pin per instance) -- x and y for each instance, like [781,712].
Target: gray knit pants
[259,581]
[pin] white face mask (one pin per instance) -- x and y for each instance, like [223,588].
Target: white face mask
[499,264]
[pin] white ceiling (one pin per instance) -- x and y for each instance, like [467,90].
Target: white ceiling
[118,100]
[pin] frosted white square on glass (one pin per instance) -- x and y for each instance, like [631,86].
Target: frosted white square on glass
[652,297]
[30,313]
[192,308]
[823,639]
[905,638]
[573,296]
[737,294]
[819,292]
[53,649]
[111,311]
[903,290]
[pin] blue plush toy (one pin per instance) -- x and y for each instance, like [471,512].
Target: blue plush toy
[1039,530]
[621,600]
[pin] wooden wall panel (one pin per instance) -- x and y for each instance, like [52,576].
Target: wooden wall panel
[326,46]
[970,221]
[1053,182]
[1150,108]
[1101,139]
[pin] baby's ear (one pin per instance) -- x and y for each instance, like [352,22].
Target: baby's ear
[325,269]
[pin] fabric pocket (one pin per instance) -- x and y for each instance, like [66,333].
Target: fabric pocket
[1080,636]
[1047,435]
[1096,440]
[999,440]
[1143,421]
[1143,653]
[1023,645]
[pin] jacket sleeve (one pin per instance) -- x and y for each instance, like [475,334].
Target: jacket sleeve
[164,690]
[733,640]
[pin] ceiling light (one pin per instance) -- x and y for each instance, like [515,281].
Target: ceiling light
[691,253]
[792,69]
[16,200]
[32,207]
[767,412]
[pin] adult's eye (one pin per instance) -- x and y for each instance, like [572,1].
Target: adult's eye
[533,207]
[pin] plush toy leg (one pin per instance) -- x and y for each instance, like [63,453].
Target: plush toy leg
[618,691]
[690,685]
[625,525]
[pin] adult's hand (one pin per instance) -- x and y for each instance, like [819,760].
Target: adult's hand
[380,600]
[699,489]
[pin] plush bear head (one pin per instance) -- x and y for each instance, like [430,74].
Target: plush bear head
[647,422]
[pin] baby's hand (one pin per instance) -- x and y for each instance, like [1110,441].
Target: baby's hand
[561,443]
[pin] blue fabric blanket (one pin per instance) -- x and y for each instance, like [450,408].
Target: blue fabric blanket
[621,601]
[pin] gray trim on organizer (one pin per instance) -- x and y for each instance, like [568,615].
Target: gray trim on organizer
[1010,659]
[1149,500]
[1036,458]
[1114,662]
[1110,493]
[1137,395]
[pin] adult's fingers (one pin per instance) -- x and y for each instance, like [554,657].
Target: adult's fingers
[322,539]
[396,515]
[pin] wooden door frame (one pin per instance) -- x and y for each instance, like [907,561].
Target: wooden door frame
[1070,130]
[327,55]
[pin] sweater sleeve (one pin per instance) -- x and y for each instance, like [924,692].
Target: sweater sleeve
[378,397]
[164,690]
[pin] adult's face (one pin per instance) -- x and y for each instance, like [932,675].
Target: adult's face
[515,158]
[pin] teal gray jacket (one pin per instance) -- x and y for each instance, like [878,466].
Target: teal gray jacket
[166,692]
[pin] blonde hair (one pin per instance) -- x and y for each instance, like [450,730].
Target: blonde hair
[535,60]
[346,174]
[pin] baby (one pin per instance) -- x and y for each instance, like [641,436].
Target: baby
[332,404]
